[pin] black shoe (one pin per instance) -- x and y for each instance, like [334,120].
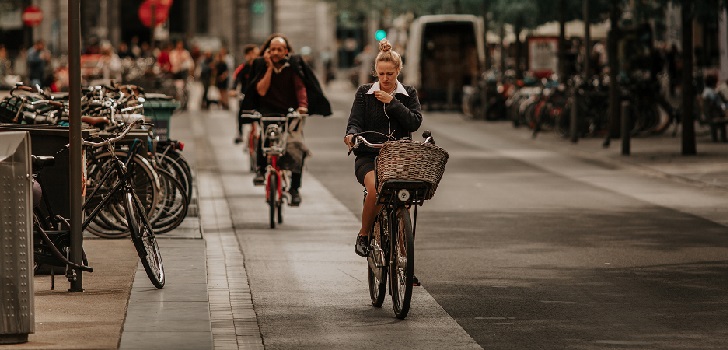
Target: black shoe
[361,247]
[415,281]
[295,198]
[259,179]
[238,140]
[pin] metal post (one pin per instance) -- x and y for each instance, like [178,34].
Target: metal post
[626,126]
[74,109]
[484,92]
[587,40]
[574,117]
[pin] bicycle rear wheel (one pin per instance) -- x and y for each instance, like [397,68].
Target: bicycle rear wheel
[272,192]
[144,240]
[173,205]
[402,264]
[377,262]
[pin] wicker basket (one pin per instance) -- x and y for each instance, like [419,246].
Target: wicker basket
[411,160]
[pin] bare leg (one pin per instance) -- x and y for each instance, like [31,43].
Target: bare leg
[370,210]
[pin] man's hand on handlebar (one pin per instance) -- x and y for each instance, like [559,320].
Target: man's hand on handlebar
[349,141]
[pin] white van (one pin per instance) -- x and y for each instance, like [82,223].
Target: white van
[444,54]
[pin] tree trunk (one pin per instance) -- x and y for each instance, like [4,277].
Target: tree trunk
[688,90]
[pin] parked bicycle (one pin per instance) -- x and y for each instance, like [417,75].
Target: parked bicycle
[407,174]
[273,136]
[119,183]
[51,233]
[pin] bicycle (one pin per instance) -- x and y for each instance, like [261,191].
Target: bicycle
[273,137]
[51,233]
[251,142]
[391,253]
[122,184]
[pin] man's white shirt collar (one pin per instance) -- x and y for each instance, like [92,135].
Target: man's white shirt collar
[278,70]
[399,90]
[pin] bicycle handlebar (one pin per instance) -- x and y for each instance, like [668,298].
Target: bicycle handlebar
[113,139]
[359,139]
[273,117]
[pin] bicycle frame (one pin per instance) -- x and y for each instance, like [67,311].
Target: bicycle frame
[124,181]
[391,255]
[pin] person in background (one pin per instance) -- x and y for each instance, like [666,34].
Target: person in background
[180,61]
[222,77]
[714,106]
[165,66]
[37,60]
[242,76]
[282,81]
[242,72]
[110,63]
[145,51]
[5,65]
[124,51]
[136,51]
[206,67]
[387,107]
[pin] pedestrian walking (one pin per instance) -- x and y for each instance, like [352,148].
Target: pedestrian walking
[38,58]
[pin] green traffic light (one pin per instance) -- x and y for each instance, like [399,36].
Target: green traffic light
[380,34]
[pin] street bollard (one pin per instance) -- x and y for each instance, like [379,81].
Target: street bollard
[574,117]
[626,127]
[17,318]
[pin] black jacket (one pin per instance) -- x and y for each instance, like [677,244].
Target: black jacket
[403,116]
[317,102]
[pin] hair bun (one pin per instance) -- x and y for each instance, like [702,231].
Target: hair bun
[384,45]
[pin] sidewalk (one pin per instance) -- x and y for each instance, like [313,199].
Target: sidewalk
[207,303]
[656,155]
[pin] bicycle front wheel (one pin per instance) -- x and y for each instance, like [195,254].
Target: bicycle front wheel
[402,264]
[377,263]
[272,192]
[144,240]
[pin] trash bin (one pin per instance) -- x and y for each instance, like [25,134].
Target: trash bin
[158,108]
[16,234]
[50,140]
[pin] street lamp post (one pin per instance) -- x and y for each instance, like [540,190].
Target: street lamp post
[484,92]
[74,128]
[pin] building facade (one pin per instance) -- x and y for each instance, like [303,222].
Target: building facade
[309,24]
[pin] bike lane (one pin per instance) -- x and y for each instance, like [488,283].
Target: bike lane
[308,288]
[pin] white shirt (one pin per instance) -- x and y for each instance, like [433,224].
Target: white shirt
[399,90]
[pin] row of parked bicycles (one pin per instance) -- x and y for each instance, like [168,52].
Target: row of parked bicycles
[135,185]
[547,104]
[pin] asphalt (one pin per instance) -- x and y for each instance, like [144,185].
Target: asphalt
[206,302]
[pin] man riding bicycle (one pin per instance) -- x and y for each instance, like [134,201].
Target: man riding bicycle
[282,81]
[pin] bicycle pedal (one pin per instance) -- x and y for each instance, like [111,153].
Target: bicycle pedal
[238,140]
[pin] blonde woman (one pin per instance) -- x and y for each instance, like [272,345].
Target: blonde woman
[386,107]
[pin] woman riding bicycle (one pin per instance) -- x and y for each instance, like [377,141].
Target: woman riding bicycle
[386,107]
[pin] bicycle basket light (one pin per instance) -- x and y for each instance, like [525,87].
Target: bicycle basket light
[403,195]
[273,133]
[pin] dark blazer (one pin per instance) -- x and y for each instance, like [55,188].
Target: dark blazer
[317,102]
[403,116]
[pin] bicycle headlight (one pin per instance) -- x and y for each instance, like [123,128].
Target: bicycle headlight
[403,195]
